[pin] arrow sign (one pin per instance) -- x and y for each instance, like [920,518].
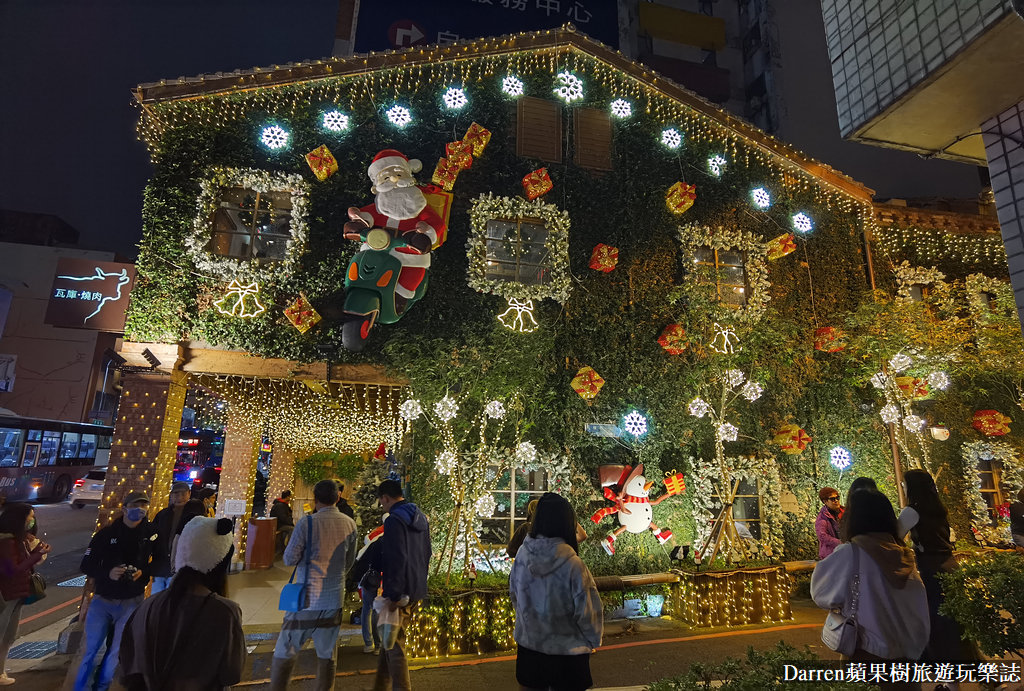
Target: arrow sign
[405,33]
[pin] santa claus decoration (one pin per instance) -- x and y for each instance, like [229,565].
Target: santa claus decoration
[629,496]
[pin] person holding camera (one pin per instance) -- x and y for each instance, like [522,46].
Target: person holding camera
[118,561]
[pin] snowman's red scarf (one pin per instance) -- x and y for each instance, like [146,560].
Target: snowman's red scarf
[610,495]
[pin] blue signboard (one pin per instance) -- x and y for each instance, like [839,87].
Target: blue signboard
[404,23]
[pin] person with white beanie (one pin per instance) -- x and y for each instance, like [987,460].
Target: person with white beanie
[188,637]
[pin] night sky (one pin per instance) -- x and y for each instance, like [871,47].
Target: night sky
[67,124]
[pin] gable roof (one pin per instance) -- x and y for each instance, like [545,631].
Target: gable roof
[562,42]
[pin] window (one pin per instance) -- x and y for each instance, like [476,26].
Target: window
[728,271]
[746,509]
[251,225]
[517,251]
[87,449]
[919,291]
[539,129]
[69,445]
[990,473]
[512,499]
[593,138]
[48,452]
[10,446]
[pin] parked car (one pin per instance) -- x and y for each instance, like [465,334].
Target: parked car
[89,489]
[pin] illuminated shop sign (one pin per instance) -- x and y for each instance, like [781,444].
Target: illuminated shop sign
[90,295]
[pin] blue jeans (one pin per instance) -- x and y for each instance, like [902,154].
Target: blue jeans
[368,620]
[104,624]
[159,583]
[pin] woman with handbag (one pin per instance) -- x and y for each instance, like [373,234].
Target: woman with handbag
[17,562]
[870,582]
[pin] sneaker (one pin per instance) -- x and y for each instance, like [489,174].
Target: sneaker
[370,650]
[6,680]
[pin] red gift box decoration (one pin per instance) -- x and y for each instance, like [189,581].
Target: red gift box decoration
[587,382]
[674,483]
[459,153]
[322,162]
[673,339]
[537,183]
[680,197]
[829,339]
[991,423]
[477,136]
[301,314]
[792,439]
[913,387]
[781,246]
[604,257]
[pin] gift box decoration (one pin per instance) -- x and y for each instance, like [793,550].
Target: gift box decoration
[445,174]
[913,387]
[604,257]
[459,154]
[791,439]
[441,202]
[587,383]
[829,339]
[537,183]
[674,483]
[477,136]
[781,246]
[991,423]
[681,197]
[673,339]
[322,162]
[301,314]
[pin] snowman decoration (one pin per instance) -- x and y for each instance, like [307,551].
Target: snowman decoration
[633,507]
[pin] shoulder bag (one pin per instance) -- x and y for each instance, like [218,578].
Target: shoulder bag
[36,588]
[293,595]
[840,632]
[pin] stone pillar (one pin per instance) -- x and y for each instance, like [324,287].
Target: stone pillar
[282,474]
[145,442]
[238,472]
[1004,149]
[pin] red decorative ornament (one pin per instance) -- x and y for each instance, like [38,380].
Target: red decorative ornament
[477,136]
[322,162]
[673,339]
[537,183]
[604,257]
[792,439]
[991,423]
[587,383]
[829,339]
[459,154]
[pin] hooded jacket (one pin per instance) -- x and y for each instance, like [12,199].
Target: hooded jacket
[826,526]
[892,610]
[558,608]
[404,556]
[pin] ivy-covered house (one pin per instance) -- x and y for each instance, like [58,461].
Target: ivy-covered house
[622,273]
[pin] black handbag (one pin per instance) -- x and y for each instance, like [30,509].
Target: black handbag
[36,588]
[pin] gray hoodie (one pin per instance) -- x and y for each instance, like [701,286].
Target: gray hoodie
[558,608]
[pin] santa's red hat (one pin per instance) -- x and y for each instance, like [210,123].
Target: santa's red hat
[391,157]
[381,453]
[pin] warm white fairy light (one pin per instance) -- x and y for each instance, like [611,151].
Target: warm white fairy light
[526,453]
[734,377]
[890,413]
[399,116]
[513,86]
[802,222]
[446,462]
[900,361]
[446,409]
[840,458]
[455,98]
[914,423]
[939,380]
[878,381]
[485,506]
[699,407]
[635,423]
[751,391]
[621,108]
[761,198]
[570,87]
[495,410]
[716,164]
[274,137]
[728,431]
[410,410]
[671,138]
[335,121]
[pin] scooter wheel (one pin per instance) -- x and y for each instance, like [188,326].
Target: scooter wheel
[354,334]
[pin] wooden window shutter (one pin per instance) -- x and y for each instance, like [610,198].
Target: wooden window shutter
[593,139]
[539,129]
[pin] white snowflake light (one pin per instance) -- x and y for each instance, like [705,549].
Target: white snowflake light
[716,164]
[802,222]
[671,138]
[526,453]
[890,413]
[939,380]
[914,423]
[900,361]
[570,87]
[621,108]
[446,461]
[513,86]
[751,391]
[635,423]
[495,410]
[335,121]
[410,410]
[761,198]
[455,98]
[699,407]
[485,506]
[274,137]
[728,431]
[839,458]
[399,116]
[878,381]
[446,408]
[734,377]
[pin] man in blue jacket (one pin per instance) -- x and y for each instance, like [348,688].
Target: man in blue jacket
[404,559]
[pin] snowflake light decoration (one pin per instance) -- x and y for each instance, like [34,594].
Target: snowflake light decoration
[455,98]
[495,410]
[526,453]
[485,506]
[621,108]
[761,198]
[751,391]
[446,408]
[939,380]
[802,222]
[699,407]
[878,381]
[671,138]
[734,377]
[728,431]
[890,413]
[914,423]
[635,423]
[335,121]
[839,458]
[274,137]
[410,410]
[716,164]
[399,116]
[513,86]
[570,87]
[900,361]
[446,462]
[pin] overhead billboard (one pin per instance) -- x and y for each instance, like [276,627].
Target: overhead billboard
[90,295]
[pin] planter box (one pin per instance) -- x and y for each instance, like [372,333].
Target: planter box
[732,598]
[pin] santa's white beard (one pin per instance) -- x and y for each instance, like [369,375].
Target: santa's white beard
[400,202]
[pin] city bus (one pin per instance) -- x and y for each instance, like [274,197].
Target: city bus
[41,459]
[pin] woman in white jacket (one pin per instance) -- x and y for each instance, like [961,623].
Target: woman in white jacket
[892,611]
[558,609]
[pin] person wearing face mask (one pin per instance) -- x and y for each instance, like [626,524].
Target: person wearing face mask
[166,524]
[118,561]
[17,561]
